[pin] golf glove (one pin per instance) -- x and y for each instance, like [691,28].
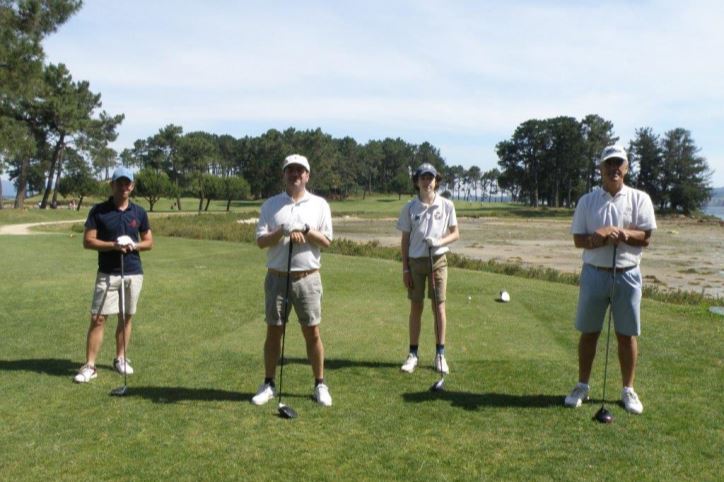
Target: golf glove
[433,242]
[289,228]
[126,241]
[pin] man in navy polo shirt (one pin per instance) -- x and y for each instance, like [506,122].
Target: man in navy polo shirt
[115,228]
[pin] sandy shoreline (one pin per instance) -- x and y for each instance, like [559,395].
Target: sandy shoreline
[685,254]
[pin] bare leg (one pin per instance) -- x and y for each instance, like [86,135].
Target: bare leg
[315,350]
[415,317]
[586,353]
[121,337]
[94,340]
[442,322]
[627,356]
[272,349]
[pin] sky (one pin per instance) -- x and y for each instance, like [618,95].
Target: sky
[461,75]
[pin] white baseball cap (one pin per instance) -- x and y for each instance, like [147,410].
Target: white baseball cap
[296,159]
[612,152]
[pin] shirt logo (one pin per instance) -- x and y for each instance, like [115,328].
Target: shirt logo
[133,223]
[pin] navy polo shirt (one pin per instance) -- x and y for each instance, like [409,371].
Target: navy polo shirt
[110,223]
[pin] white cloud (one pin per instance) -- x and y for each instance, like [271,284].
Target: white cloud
[443,70]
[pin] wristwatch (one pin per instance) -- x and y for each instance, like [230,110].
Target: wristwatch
[306,229]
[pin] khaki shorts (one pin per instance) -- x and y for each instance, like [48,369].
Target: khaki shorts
[420,271]
[106,296]
[305,295]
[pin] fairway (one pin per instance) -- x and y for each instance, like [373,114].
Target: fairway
[197,350]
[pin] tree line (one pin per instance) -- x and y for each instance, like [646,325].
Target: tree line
[554,161]
[54,138]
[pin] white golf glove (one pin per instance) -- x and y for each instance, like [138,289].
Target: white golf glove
[126,241]
[289,228]
[433,242]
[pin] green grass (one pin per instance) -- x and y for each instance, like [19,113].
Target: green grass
[197,348]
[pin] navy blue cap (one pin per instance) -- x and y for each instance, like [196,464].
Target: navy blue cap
[426,168]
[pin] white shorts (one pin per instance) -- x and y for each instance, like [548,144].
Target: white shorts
[106,296]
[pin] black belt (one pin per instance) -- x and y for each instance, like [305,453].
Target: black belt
[610,270]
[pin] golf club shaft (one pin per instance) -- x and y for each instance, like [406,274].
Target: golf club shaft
[435,307]
[286,315]
[608,330]
[123,324]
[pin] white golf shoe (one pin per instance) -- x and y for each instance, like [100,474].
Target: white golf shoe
[631,401]
[410,364]
[85,374]
[123,366]
[578,395]
[322,396]
[441,365]
[265,393]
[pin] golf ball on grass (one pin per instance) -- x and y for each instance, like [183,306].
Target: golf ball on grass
[504,296]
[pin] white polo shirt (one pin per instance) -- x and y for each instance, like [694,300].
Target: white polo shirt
[277,210]
[422,220]
[628,209]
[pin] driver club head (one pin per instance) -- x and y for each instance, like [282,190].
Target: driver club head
[438,386]
[285,411]
[603,416]
[120,391]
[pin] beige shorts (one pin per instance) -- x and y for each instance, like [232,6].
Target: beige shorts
[305,295]
[107,298]
[420,271]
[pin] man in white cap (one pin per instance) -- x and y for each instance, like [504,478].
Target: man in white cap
[298,217]
[428,224]
[621,217]
[116,228]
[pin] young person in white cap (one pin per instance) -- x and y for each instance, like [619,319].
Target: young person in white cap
[298,217]
[428,223]
[614,216]
[116,228]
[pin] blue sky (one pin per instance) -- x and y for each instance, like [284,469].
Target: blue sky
[459,74]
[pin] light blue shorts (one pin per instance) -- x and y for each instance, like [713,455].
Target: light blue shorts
[593,300]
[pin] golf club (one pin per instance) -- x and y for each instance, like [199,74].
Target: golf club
[603,415]
[285,411]
[438,385]
[121,391]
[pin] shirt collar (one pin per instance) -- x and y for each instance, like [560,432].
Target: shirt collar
[622,192]
[306,197]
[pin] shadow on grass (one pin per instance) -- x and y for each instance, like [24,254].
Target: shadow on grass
[183,394]
[338,363]
[49,366]
[474,401]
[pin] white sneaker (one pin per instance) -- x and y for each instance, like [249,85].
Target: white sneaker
[123,366]
[265,393]
[441,364]
[85,374]
[410,364]
[578,395]
[631,401]
[322,396]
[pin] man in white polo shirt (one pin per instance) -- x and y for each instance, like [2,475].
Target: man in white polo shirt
[620,216]
[295,216]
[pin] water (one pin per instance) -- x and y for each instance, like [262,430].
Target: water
[717,211]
